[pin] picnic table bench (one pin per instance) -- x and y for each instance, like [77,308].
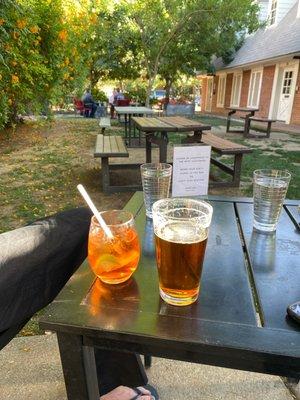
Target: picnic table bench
[110,147]
[268,121]
[223,147]
[226,147]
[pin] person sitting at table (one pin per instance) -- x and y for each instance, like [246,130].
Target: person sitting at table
[89,102]
[118,96]
[111,101]
[36,261]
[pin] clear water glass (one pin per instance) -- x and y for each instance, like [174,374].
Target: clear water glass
[269,191]
[156,180]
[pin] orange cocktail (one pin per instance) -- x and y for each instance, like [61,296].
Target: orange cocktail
[114,260]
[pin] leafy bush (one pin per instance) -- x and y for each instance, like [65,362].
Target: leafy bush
[40,61]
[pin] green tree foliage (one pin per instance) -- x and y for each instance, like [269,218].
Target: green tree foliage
[39,57]
[182,35]
[52,48]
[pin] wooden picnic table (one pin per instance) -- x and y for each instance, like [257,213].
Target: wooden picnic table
[128,112]
[239,320]
[250,112]
[157,129]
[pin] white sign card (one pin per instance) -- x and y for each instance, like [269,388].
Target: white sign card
[190,170]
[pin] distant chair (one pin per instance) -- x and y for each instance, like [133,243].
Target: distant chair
[187,110]
[123,103]
[81,108]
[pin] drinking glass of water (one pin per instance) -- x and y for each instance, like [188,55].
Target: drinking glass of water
[269,191]
[156,180]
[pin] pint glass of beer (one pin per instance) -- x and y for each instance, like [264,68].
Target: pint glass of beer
[181,230]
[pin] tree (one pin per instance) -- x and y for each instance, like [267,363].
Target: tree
[113,48]
[167,29]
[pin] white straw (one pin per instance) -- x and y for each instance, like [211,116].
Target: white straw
[92,206]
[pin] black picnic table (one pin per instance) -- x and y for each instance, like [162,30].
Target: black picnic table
[239,320]
[249,111]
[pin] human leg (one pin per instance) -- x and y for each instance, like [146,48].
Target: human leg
[94,108]
[37,260]
[127,367]
[126,393]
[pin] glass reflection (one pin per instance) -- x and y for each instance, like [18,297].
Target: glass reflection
[115,306]
[148,243]
[262,250]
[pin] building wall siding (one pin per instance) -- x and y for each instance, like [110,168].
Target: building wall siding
[229,79]
[266,91]
[215,93]
[265,94]
[245,88]
[203,94]
[295,118]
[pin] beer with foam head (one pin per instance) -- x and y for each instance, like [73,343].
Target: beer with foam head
[181,229]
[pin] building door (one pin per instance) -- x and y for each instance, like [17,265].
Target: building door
[209,94]
[286,96]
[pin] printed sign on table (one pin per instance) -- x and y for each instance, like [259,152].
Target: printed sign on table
[190,170]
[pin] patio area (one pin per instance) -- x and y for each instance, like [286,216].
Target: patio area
[24,370]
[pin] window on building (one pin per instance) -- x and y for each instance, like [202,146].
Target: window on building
[273,10]
[254,88]
[236,90]
[221,91]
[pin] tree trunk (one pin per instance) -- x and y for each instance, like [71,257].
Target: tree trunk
[94,78]
[148,93]
[168,86]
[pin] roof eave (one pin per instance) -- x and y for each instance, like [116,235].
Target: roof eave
[265,60]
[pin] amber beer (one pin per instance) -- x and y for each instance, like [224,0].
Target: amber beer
[180,238]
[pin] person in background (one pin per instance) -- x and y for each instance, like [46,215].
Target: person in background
[111,101]
[89,102]
[119,95]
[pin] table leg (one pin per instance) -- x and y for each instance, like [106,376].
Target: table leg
[163,147]
[105,174]
[269,129]
[197,136]
[79,368]
[129,128]
[126,130]
[247,124]
[148,149]
[237,170]
[228,120]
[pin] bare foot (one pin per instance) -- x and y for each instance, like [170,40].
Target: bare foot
[125,393]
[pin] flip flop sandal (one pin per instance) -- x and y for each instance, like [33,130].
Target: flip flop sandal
[139,393]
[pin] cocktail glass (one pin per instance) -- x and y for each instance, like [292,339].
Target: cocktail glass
[114,260]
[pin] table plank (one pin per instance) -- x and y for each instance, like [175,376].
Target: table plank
[134,110]
[151,124]
[169,124]
[275,262]
[294,212]
[184,124]
[224,144]
[243,109]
